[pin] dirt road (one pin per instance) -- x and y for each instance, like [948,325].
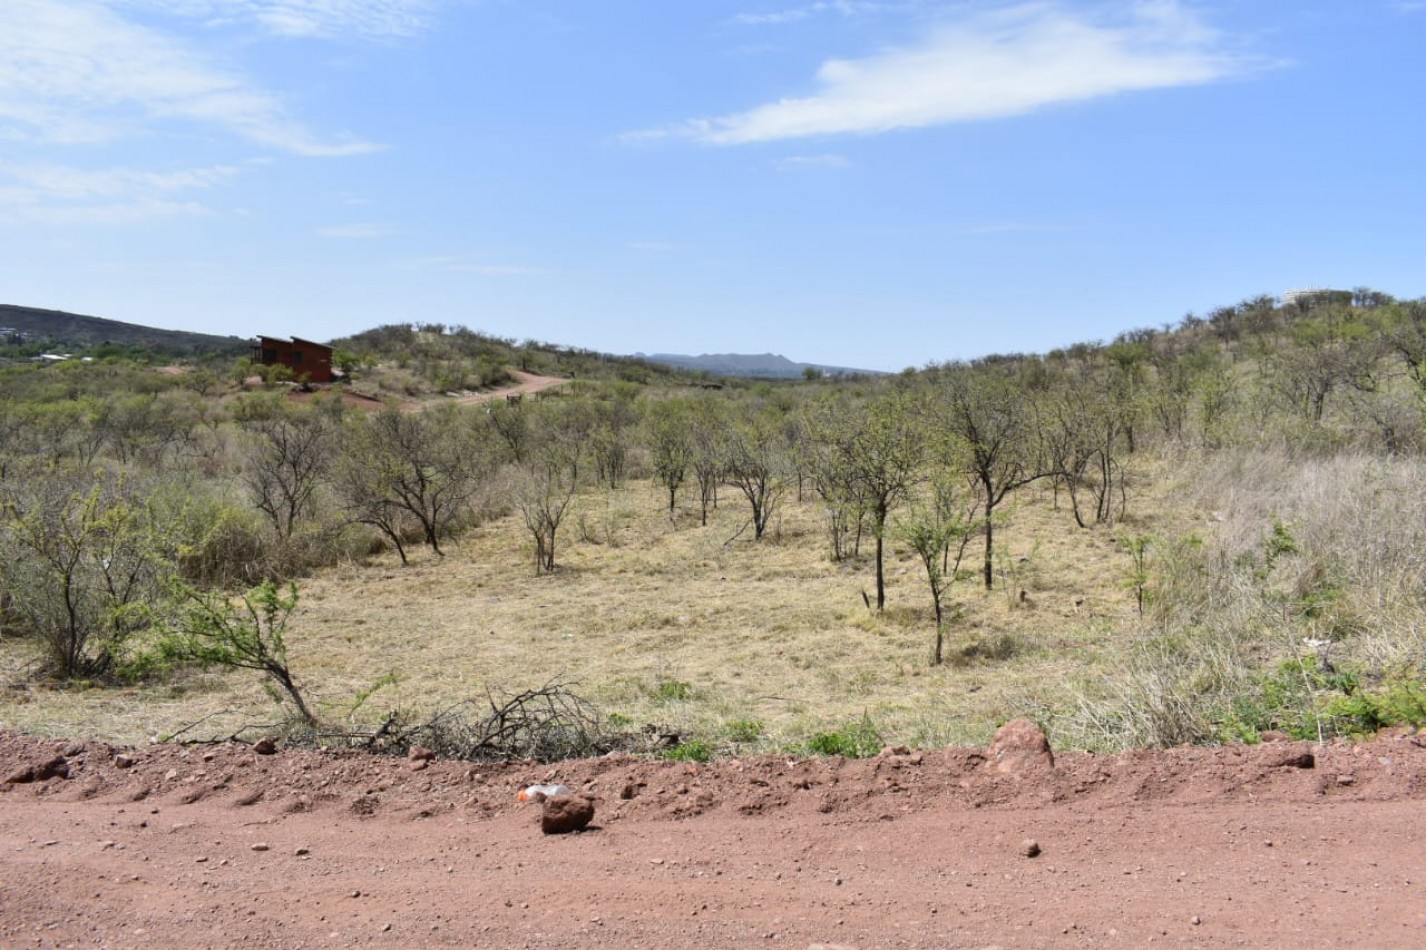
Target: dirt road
[526,384]
[1284,845]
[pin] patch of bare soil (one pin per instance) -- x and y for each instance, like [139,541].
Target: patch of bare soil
[1283,844]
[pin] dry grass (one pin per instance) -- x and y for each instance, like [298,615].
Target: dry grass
[771,631]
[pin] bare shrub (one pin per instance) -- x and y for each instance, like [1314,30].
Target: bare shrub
[546,724]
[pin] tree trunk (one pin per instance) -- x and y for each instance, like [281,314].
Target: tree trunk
[989,548]
[880,576]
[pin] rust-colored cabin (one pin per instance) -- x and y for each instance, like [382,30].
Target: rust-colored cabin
[307,360]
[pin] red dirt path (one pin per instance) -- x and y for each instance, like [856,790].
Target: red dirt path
[1275,845]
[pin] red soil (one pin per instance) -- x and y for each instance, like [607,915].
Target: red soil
[1284,844]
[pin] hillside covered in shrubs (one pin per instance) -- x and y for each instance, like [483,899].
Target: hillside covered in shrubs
[1198,533]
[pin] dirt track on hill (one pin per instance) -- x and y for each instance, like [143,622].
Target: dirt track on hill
[526,384]
[1284,844]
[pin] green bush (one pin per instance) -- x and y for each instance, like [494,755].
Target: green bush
[694,750]
[1305,700]
[745,730]
[860,740]
[673,691]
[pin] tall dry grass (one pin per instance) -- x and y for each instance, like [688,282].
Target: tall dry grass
[1314,559]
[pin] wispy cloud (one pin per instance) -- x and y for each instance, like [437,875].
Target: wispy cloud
[64,194]
[1410,6]
[310,18]
[801,162]
[75,71]
[991,65]
[362,231]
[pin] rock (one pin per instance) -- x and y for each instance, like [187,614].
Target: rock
[565,813]
[261,846]
[1020,746]
[1346,780]
[124,761]
[265,746]
[1030,848]
[895,750]
[1274,735]
[419,765]
[420,753]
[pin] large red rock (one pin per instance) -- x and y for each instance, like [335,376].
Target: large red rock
[565,813]
[1020,746]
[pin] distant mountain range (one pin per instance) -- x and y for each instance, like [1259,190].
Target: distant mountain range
[762,365]
[59,329]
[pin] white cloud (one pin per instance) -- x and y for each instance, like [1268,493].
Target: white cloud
[800,162]
[987,66]
[74,71]
[360,231]
[63,194]
[310,18]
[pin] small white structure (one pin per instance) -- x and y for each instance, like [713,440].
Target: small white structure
[1290,297]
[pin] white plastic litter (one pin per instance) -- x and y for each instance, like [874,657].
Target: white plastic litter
[538,793]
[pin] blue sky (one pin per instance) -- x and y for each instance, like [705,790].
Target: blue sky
[874,184]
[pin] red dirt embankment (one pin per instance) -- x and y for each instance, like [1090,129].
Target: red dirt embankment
[1284,844]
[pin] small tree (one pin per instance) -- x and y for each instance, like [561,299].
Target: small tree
[288,460]
[83,567]
[755,464]
[880,449]
[420,467]
[989,415]
[931,530]
[669,439]
[548,480]
[708,426]
[245,633]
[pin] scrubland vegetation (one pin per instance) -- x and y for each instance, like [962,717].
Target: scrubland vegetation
[1192,534]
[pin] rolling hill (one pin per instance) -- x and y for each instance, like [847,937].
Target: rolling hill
[59,329]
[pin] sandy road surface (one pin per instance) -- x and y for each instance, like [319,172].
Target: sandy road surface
[1278,845]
